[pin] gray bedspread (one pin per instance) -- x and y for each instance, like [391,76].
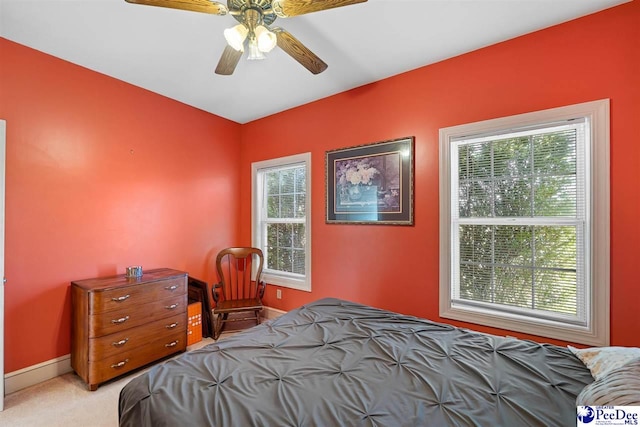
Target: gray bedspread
[338,363]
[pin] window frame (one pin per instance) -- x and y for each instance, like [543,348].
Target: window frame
[276,277]
[597,328]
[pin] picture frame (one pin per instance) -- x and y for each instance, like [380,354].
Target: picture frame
[371,184]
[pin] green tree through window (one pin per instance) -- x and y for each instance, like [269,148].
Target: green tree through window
[526,177]
[285,226]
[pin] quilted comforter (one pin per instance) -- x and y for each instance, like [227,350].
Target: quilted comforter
[338,363]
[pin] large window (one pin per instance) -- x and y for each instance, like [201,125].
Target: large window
[282,219]
[525,223]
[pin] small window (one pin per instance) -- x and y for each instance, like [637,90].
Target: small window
[525,223]
[281,221]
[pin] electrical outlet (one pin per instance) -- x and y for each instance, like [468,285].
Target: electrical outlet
[279,293]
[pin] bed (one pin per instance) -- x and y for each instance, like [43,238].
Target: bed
[339,363]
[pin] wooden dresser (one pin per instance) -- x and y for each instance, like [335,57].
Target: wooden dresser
[120,323]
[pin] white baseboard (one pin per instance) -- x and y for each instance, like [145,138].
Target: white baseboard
[32,375]
[271,313]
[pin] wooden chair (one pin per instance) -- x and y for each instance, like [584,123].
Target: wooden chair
[240,289]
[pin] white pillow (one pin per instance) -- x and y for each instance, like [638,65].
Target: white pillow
[620,387]
[601,360]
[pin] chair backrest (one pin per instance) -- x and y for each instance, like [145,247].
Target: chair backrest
[239,272]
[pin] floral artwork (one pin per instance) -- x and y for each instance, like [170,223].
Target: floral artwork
[369,180]
[371,183]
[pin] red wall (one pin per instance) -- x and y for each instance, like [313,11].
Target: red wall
[396,267]
[100,175]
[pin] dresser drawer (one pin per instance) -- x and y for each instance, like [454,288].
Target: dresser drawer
[118,364]
[129,339]
[129,317]
[132,296]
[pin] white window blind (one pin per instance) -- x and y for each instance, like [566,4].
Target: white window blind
[519,215]
[283,222]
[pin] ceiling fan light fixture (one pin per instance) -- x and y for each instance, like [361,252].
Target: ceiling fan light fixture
[265,39]
[254,51]
[236,36]
[255,17]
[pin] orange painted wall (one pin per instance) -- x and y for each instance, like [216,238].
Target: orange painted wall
[100,175]
[396,267]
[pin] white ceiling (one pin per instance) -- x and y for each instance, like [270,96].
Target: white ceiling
[174,52]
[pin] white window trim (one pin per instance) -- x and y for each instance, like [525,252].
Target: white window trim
[597,330]
[272,277]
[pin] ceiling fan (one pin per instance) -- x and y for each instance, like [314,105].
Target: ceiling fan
[254,31]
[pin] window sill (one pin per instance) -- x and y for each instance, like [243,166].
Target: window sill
[539,327]
[287,282]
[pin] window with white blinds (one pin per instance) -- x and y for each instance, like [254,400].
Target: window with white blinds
[281,219]
[520,216]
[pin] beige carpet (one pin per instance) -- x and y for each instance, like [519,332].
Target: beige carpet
[65,401]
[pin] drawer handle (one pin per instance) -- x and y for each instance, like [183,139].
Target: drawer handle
[171,288]
[171,307]
[172,344]
[120,299]
[171,326]
[120,320]
[120,343]
[120,364]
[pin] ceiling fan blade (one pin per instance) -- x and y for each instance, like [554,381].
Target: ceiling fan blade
[228,61]
[299,52]
[204,6]
[286,8]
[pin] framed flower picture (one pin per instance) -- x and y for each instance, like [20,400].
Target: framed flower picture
[371,184]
